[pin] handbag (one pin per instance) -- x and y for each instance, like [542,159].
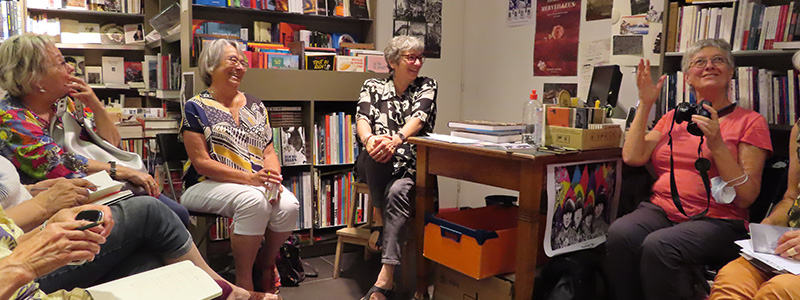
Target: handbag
[68,137]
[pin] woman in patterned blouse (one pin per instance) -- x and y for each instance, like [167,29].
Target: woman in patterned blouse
[233,168]
[740,279]
[389,111]
[36,76]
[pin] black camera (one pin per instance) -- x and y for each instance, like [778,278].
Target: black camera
[686,110]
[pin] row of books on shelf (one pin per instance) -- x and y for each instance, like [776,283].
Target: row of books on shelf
[333,200]
[11,17]
[70,31]
[126,6]
[265,32]
[346,8]
[147,127]
[300,186]
[747,25]
[773,94]
[155,72]
[285,116]
[221,229]
[335,140]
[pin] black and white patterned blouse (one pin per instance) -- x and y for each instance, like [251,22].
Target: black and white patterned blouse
[388,112]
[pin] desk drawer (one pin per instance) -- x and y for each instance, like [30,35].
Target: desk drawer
[478,242]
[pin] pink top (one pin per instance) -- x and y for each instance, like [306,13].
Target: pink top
[741,125]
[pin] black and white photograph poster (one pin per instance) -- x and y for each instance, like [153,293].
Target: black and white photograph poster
[519,12]
[422,19]
[582,201]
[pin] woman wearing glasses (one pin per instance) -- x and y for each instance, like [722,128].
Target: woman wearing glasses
[741,280]
[389,111]
[233,169]
[36,76]
[650,247]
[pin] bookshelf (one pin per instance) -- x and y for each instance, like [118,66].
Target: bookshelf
[316,93]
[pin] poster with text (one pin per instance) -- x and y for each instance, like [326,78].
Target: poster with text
[582,201]
[422,19]
[555,49]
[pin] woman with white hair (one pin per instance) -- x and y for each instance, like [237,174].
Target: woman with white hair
[36,76]
[233,169]
[389,111]
[740,279]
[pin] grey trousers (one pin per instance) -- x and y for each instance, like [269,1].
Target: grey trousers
[394,196]
[649,254]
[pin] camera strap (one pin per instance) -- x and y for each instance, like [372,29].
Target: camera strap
[702,165]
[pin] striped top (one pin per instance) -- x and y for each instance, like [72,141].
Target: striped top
[238,146]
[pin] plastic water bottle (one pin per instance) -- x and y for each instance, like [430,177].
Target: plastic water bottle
[532,118]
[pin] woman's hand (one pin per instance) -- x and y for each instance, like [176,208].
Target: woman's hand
[382,148]
[789,245]
[648,92]
[43,185]
[141,179]
[710,128]
[68,215]
[64,193]
[57,244]
[81,91]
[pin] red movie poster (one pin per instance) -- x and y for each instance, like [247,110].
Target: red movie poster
[555,50]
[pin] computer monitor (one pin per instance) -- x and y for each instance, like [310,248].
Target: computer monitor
[604,86]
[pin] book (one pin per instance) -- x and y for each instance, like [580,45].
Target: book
[485,125]
[487,137]
[279,61]
[179,281]
[113,70]
[558,116]
[350,63]
[319,61]
[133,74]
[94,75]
[358,9]
[150,72]
[134,33]
[787,45]
[108,190]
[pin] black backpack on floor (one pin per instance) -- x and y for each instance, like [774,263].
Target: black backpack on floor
[289,264]
[572,276]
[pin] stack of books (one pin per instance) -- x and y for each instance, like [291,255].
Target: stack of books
[487,131]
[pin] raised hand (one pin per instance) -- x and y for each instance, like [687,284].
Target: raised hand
[648,91]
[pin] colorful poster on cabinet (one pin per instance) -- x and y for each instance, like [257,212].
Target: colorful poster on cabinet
[582,201]
[555,49]
[422,19]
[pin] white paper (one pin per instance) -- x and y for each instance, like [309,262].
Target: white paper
[777,262]
[178,281]
[452,139]
[105,185]
[765,237]
[594,53]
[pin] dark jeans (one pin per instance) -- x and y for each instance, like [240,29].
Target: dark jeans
[648,253]
[177,208]
[145,232]
[394,196]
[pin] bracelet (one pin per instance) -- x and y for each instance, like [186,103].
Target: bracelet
[43,225]
[366,140]
[113,170]
[402,136]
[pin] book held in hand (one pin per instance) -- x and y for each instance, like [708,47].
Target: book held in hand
[108,190]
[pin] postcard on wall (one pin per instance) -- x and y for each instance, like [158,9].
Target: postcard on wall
[655,13]
[634,25]
[520,12]
[598,9]
[555,50]
[582,201]
[627,45]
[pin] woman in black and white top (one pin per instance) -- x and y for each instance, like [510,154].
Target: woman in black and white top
[389,111]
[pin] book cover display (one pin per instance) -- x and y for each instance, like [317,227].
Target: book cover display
[134,33]
[94,75]
[320,61]
[555,50]
[293,146]
[113,70]
[133,74]
[279,61]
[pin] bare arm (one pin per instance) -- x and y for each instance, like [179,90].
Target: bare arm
[779,214]
[63,194]
[105,126]
[639,145]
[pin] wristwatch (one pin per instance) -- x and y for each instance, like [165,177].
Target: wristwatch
[402,136]
[113,170]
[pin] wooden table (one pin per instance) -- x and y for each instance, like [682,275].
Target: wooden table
[516,171]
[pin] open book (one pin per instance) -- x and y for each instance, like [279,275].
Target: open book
[108,190]
[178,281]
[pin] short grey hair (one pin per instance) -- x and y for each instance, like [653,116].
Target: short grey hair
[211,57]
[720,44]
[22,62]
[399,44]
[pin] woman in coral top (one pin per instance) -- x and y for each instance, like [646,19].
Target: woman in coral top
[650,246]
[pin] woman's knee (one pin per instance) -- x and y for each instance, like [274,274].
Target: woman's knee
[618,233]
[784,286]
[285,218]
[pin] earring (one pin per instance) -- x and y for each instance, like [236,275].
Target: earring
[41,89]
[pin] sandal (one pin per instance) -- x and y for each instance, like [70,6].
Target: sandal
[378,241]
[263,296]
[374,289]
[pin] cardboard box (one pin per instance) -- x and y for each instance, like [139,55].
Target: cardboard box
[477,242]
[583,139]
[452,285]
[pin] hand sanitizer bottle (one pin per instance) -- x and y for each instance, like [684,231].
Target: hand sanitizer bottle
[532,118]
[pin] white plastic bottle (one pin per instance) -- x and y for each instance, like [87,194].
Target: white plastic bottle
[532,118]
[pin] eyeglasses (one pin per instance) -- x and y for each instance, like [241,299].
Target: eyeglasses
[62,63]
[235,61]
[702,62]
[410,58]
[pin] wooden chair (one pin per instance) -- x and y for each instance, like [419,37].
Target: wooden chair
[353,234]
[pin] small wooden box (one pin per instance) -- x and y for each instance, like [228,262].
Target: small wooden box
[583,139]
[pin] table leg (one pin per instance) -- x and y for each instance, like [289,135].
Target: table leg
[426,192]
[531,176]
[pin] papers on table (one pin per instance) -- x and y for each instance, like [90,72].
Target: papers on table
[452,139]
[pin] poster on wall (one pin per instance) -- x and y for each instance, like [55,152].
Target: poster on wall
[520,12]
[636,34]
[598,10]
[555,45]
[422,19]
[582,201]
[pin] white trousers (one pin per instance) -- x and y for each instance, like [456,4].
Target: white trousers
[246,204]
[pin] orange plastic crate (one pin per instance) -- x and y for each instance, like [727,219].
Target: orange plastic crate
[478,242]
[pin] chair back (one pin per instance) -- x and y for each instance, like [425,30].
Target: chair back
[773,185]
[170,148]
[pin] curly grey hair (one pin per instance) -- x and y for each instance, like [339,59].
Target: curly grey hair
[720,44]
[399,44]
[22,62]
[211,57]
